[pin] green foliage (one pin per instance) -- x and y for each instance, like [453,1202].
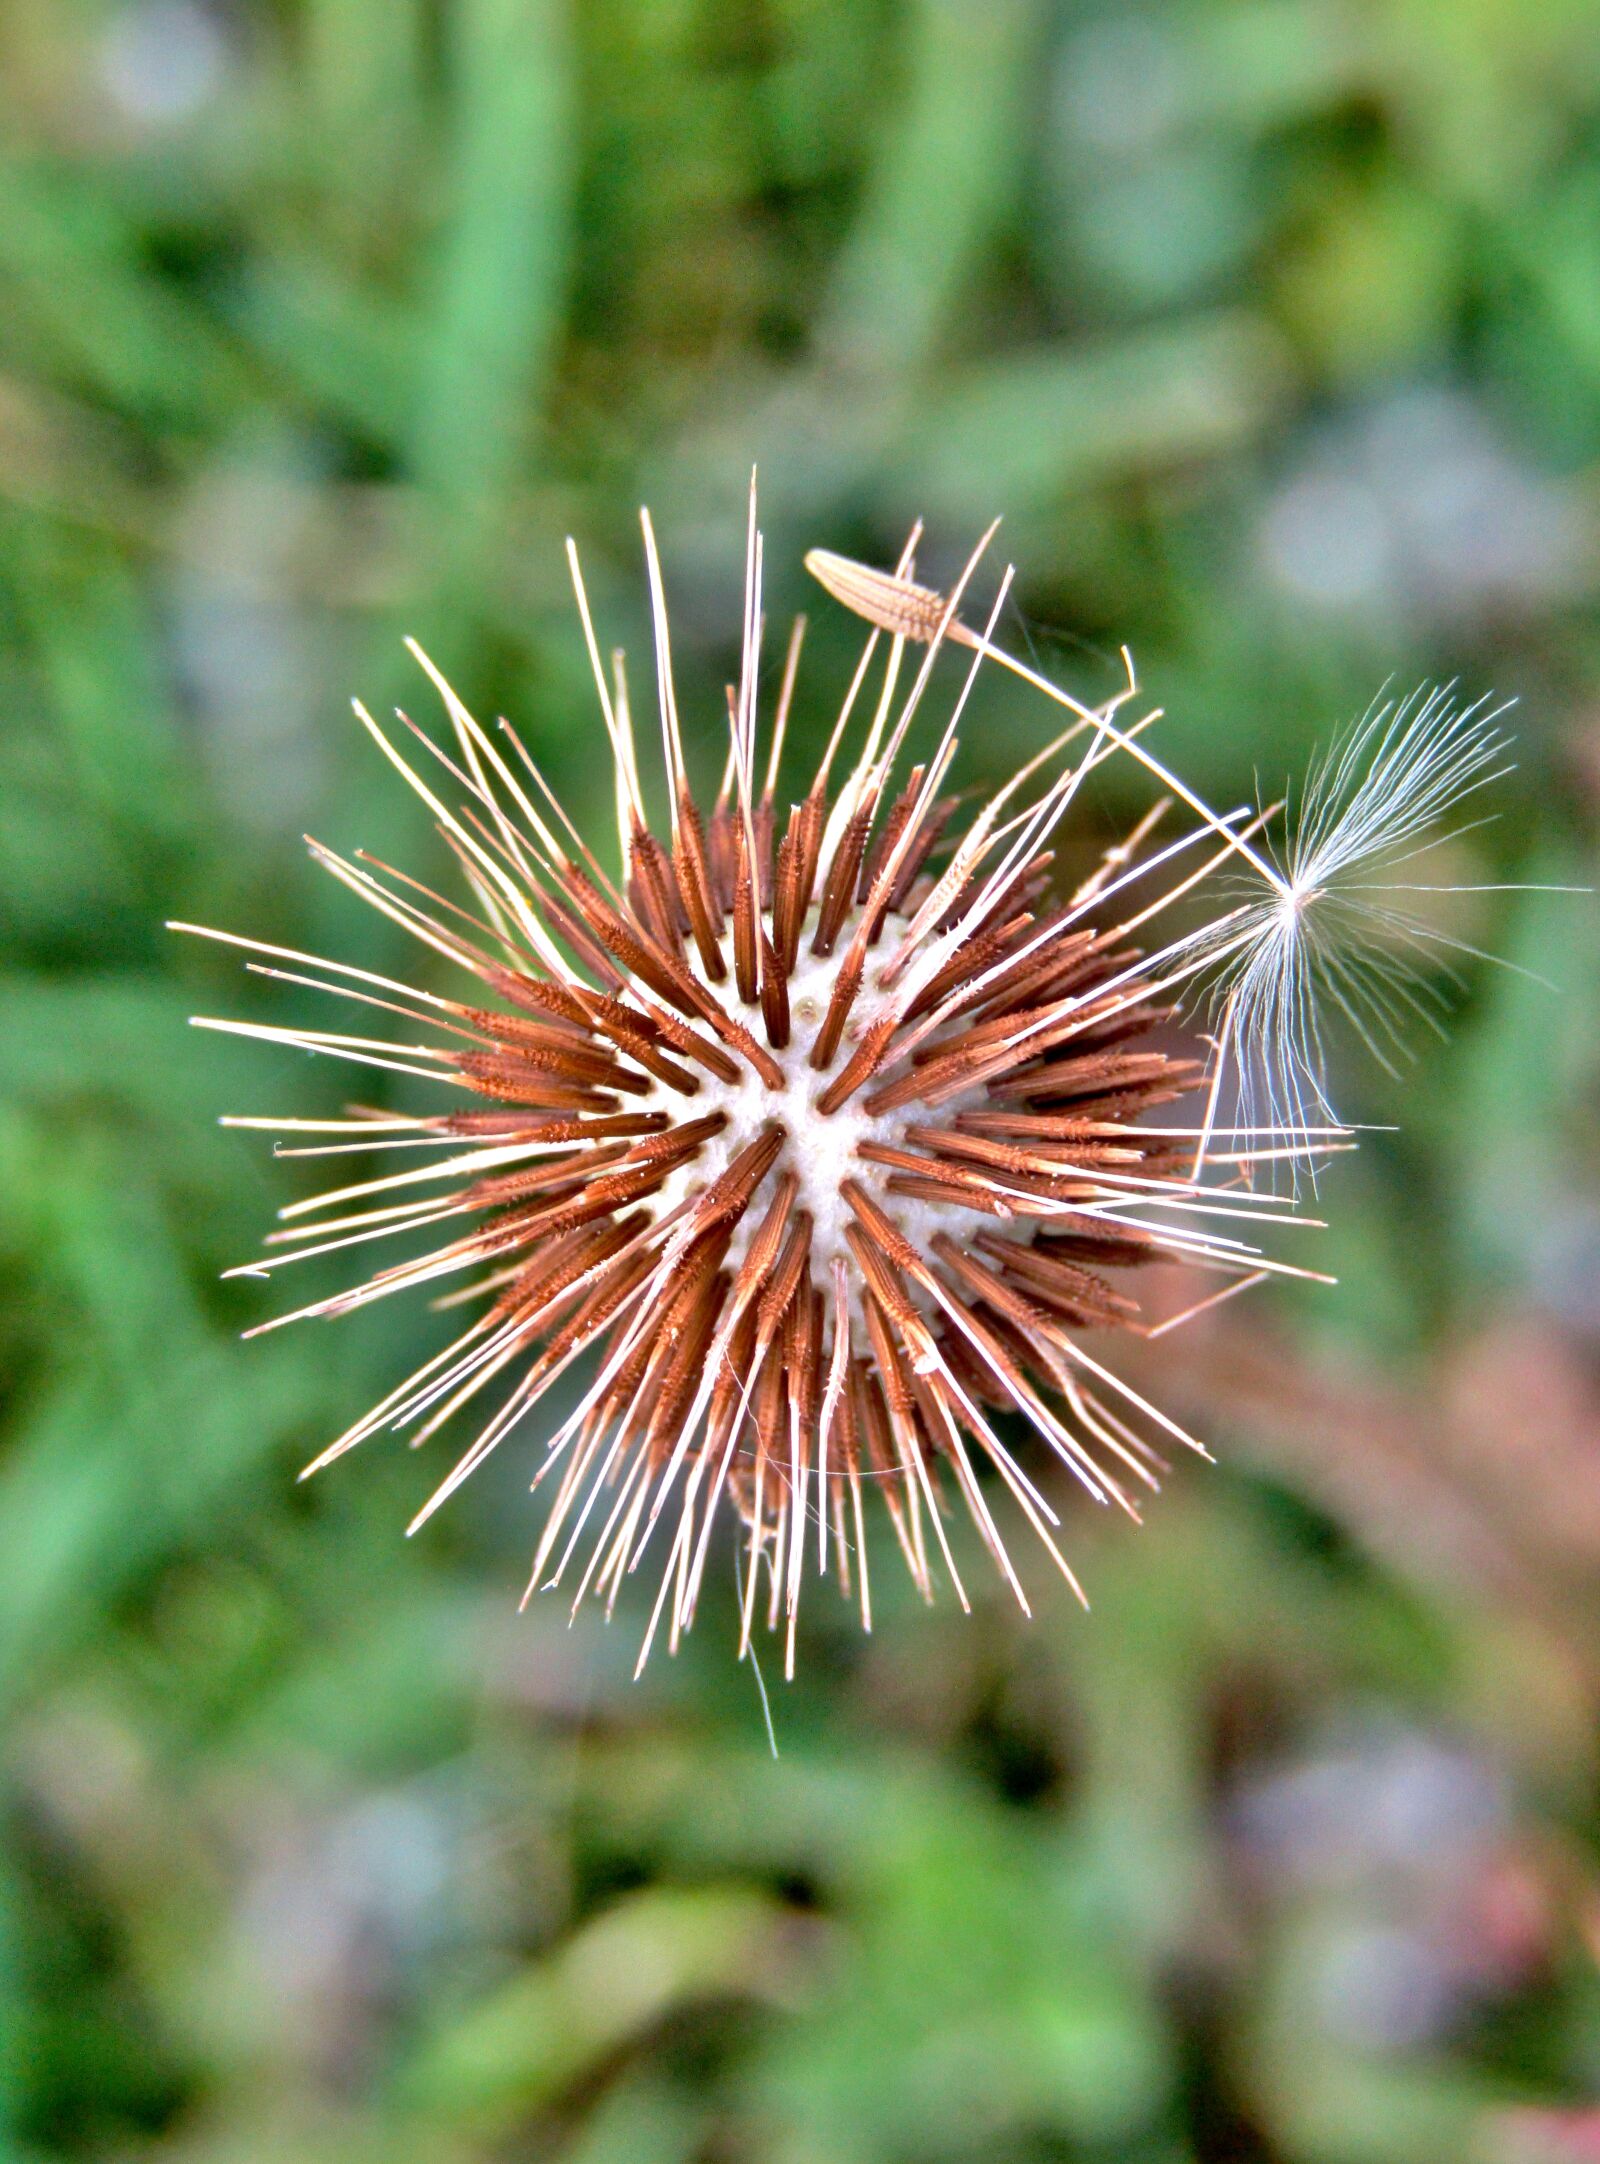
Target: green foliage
[1271,327]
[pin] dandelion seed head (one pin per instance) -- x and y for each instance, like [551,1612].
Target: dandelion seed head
[825,1141]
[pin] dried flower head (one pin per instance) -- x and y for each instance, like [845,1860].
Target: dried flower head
[816,1148]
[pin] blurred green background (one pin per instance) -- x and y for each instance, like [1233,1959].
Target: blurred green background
[1273,329]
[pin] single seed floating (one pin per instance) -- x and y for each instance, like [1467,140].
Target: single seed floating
[818,1147]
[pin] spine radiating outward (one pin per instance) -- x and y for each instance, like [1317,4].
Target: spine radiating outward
[820,1145]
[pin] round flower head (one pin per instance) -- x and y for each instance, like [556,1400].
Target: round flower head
[818,1152]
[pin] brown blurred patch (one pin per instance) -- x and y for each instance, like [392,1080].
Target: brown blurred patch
[1478,1474]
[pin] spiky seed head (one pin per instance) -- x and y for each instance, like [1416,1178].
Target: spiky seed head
[820,1146]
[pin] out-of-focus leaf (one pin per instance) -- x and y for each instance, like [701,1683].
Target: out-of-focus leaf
[943,179]
[80,300]
[565,2017]
[491,315]
[351,351]
[1030,432]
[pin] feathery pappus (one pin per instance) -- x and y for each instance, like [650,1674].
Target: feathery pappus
[808,1148]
